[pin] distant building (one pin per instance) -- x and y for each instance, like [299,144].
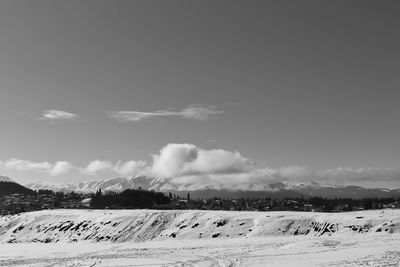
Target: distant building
[86,202]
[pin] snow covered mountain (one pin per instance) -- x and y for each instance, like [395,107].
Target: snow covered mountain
[275,190]
[114,184]
[147,183]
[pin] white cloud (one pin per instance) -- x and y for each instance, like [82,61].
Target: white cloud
[58,115]
[196,112]
[124,116]
[58,168]
[26,165]
[97,166]
[193,112]
[127,168]
[130,168]
[186,164]
[61,167]
[176,160]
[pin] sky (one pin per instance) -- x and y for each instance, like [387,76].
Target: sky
[200,91]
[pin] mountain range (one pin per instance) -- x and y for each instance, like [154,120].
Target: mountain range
[273,190]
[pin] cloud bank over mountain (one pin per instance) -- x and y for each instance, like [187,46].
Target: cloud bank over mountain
[187,164]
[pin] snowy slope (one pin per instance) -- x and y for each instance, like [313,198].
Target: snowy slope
[143,225]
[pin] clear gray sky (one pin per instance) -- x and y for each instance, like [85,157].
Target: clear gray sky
[285,83]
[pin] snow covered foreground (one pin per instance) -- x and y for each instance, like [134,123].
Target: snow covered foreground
[199,238]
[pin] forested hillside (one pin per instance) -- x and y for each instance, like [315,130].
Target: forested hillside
[8,188]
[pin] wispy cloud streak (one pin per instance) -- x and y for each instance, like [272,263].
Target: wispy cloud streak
[192,112]
[53,115]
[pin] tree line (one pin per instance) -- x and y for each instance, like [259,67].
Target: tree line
[130,198]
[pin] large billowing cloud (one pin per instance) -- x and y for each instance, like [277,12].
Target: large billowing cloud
[187,166]
[193,112]
[176,160]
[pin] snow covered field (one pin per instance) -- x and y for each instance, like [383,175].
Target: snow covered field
[199,238]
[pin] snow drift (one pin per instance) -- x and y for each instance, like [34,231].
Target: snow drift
[143,225]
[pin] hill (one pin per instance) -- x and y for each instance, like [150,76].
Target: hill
[199,238]
[143,225]
[8,188]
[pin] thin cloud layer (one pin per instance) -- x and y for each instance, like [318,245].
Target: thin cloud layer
[97,166]
[193,112]
[127,168]
[58,168]
[58,115]
[187,166]
[343,175]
